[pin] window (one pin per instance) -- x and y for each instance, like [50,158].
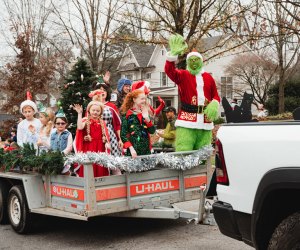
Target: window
[226,87]
[163,79]
[147,76]
[168,102]
[162,52]
[130,77]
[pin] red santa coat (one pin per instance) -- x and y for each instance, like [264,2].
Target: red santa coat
[193,90]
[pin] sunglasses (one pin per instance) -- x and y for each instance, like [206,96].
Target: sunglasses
[60,123]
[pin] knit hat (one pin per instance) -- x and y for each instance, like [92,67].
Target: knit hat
[194,53]
[29,103]
[122,82]
[141,85]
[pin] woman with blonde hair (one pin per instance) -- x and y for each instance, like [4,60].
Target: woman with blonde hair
[136,124]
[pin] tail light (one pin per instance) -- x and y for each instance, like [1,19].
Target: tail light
[221,171]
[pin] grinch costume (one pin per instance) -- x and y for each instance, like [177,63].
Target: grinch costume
[198,95]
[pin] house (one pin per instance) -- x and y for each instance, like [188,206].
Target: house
[146,62]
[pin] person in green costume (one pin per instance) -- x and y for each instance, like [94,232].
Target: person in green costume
[136,124]
[198,97]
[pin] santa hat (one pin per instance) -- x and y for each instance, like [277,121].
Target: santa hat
[194,53]
[141,85]
[29,103]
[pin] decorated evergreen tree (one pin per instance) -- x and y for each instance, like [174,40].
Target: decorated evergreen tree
[77,86]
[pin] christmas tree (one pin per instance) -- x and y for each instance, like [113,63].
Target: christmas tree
[77,86]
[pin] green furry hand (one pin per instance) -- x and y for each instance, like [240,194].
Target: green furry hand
[177,45]
[211,110]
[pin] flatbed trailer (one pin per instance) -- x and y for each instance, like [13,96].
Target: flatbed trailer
[149,194]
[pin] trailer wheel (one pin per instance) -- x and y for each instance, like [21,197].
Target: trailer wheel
[287,234]
[18,211]
[3,203]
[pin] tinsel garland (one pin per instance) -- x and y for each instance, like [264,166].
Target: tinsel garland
[25,159]
[143,163]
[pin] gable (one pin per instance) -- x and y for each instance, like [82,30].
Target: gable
[128,61]
[158,57]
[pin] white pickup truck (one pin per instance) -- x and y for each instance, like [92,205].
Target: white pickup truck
[258,176]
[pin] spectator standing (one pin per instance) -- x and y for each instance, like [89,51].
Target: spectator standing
[234,103]
[13,135]
[169,133]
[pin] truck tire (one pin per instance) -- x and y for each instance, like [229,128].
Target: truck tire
[287,234]
[3,203]
[18,211]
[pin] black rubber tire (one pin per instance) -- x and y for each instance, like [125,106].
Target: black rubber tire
[17,198]
[3,202]
[287,234]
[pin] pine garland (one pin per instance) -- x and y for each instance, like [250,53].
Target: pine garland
[26,159]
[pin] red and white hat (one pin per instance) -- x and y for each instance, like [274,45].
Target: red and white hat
[141,85]
[194,53]
[29,103]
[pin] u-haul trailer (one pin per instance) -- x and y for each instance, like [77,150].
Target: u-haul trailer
[149,194]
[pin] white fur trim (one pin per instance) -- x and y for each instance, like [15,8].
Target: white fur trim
[171,58]
[147,84]
[30,104]
[194,53]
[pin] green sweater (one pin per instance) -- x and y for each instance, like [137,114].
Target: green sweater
[135,131]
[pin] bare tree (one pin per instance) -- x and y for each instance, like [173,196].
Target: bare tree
[292,8]
[257,72]
[28,16]
[89,25]
[268,25]
[193,19]
[284,44]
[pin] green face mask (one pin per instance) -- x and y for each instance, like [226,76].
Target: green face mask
[194,65]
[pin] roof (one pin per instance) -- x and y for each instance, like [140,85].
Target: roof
[209,43]
[142,53]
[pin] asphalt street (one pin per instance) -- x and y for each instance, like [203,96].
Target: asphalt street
[118,233]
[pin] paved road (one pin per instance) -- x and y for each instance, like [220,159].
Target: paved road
[118,233]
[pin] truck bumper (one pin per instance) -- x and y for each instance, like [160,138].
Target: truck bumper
[231,223]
